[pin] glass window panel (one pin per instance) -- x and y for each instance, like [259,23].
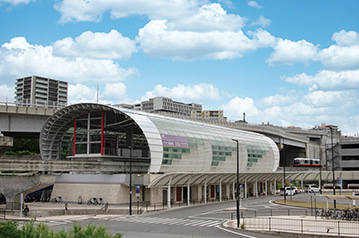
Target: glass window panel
[96,137]
[185,150]
[167,161]
[81,137]
[193,145]
[95,148]
[81,149]
[176,156]
[95,124]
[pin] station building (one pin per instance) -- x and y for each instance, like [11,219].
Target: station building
[165,159]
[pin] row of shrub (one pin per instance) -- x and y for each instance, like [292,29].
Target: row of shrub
[9,229]
[19,153]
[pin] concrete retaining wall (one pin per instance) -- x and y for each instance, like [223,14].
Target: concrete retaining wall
[111,193]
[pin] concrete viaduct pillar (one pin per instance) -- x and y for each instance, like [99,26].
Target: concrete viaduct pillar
[13,185]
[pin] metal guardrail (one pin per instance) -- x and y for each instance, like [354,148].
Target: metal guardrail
[26,103]
[302,226]
[2,213]
[270,212]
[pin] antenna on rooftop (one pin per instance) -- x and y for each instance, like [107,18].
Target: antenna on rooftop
[97,93]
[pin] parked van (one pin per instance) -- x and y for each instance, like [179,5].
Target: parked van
[289,191]
[310,188]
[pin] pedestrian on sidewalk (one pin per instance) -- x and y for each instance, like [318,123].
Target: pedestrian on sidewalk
[26,210]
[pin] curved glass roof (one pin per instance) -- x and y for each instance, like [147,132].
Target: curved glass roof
[160,144]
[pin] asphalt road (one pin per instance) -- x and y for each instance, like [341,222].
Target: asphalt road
[185,222]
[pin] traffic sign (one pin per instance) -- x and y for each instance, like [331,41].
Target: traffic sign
[138,190]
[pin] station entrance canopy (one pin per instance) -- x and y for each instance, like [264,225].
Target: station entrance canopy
[197,179]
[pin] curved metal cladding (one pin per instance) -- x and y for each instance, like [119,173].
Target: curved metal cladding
[190,146]
[152,136]
[174,145]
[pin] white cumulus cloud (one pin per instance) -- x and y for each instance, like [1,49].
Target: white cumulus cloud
[210,17]
[80,93]
[340,57]
[327,80]
[110,45]
[288,52]
[79,10]
[254,4]
[185,93]
[261,21]
[158,41]
[344,38]
[237,106]
[331,98]
[16,2]
[7,93]
[20,58]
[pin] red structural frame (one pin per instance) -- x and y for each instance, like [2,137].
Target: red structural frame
[74,145]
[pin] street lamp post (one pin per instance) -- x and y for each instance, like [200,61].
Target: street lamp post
[285,192]
[130,207]
[331,135]
[237,187]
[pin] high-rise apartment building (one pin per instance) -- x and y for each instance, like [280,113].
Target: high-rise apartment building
[40,92]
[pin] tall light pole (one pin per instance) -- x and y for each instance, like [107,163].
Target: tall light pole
[237,187]
[331,135]
[130,207]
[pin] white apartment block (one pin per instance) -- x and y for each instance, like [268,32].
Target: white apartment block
[41,92]
[167,105]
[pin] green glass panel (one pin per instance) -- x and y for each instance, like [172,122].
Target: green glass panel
[185,150]
[176,156]
[193,145]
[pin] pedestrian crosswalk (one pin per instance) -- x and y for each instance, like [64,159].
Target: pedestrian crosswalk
[170,221]
[58,223]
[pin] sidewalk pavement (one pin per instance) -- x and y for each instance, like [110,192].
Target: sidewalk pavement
[59,211]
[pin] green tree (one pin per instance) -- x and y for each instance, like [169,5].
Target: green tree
[9,229]
[31,145]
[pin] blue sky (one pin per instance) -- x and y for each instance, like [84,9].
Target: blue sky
[289,63]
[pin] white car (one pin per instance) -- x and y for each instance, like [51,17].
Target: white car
[312,188]
[289,191]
